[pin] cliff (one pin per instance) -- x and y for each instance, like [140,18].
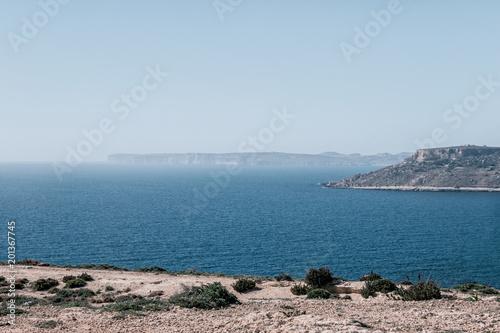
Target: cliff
[261,159]
[462,168]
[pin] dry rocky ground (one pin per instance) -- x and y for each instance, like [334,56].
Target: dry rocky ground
[271,307]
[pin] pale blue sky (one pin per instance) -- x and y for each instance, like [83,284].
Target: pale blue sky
[226,77]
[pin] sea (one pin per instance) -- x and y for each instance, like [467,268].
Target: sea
[253,221]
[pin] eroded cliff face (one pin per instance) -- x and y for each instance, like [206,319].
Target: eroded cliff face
[453,153]
[469,167]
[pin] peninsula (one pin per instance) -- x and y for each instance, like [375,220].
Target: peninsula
[460,168]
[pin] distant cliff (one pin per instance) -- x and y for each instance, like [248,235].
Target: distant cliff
[462,168]
[261,159]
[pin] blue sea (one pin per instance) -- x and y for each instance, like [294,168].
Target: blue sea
[262,221]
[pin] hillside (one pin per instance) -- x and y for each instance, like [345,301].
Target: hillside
[461,168]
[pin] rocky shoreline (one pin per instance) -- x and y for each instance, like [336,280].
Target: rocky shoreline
[454,169]
[420,188]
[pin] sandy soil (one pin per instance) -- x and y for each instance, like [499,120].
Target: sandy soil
[269,308]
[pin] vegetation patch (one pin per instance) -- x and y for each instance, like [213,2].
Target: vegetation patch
[320,277]
[368,290]
[154,269]
[371,277]
[44,284]
[67,278]
[210,296]
[109,288]
[422,291]
[48,324]
[473,287]
[283,277]
[76,283]
[244,284]
[86,277]
[4,311]
[318,294]
[72,298]
[300,289]
[384,286]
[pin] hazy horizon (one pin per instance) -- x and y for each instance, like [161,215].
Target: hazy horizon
[101,78]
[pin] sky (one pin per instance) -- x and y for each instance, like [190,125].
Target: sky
[93,78]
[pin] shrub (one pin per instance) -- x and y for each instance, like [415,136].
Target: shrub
[475,287]
[406,283]
[69,278]
[283,277]
[319,277]
[154,269]
[77,283]
[368,290]
[48,324]
[371,277]
[66,296]
[243,284]
[300,289]
[384,286]
[109,288]
[422,291]
[86,277]
[210,296]
[318,294]
[44,284]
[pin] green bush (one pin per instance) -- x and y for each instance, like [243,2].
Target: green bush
[65,296]
[86,277]
[44,284]
[283,277]
[210,296]
[371,277]
[154,269]
[406,283]
[368,290]
[377,285]
[475,287]
[109,288]
[77,283]
[318,294]
[319,277]
[244,284]
[422,291]
[384,286]
[68,278]
[300,289]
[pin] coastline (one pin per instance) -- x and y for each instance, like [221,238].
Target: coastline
[417,188]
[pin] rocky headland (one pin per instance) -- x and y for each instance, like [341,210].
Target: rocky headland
[461,168]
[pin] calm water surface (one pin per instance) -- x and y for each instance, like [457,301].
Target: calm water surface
[267,220]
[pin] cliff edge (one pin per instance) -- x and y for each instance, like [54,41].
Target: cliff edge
[461,168]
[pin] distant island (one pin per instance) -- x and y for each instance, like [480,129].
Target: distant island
[261,159]
[460,168]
